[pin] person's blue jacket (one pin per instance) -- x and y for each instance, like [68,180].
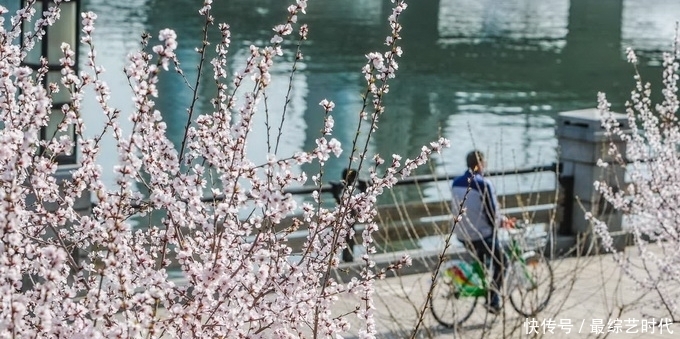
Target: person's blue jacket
[481,212]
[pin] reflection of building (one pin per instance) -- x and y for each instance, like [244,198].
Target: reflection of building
[344,89]
[521,22]
[504,67]
[117,32]
[495,61]
[269,121]
[649,25]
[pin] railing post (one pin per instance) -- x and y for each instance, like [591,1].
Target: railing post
[581,142]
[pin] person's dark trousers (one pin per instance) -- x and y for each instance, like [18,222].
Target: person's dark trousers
[492,247]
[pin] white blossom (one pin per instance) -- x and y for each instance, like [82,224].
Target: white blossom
[652,161]
[229,249]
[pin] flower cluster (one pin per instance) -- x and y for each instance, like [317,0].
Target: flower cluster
[652,160]
[100,275]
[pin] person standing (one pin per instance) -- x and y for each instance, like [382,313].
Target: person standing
[349,176]
[481,220]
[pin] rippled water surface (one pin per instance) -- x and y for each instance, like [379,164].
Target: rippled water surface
[490,74]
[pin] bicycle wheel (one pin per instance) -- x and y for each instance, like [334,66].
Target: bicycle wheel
[448,306]
[530,285]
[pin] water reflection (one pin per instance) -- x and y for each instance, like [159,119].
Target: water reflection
[649,26]
[489,74]
[525,23]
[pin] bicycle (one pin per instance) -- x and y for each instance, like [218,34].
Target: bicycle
[528,281]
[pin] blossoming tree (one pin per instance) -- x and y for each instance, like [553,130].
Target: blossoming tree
[649,198]
[239,277]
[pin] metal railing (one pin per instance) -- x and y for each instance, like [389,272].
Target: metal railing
[333,186]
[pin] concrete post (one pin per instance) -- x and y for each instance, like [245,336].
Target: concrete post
[582,141]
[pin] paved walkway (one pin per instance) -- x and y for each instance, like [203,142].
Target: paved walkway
[591,295]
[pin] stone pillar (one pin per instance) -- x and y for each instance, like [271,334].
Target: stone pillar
[582,141]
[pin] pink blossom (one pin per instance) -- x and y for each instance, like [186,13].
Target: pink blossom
[229,249]
[327,105]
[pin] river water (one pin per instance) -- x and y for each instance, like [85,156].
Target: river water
[487,74]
